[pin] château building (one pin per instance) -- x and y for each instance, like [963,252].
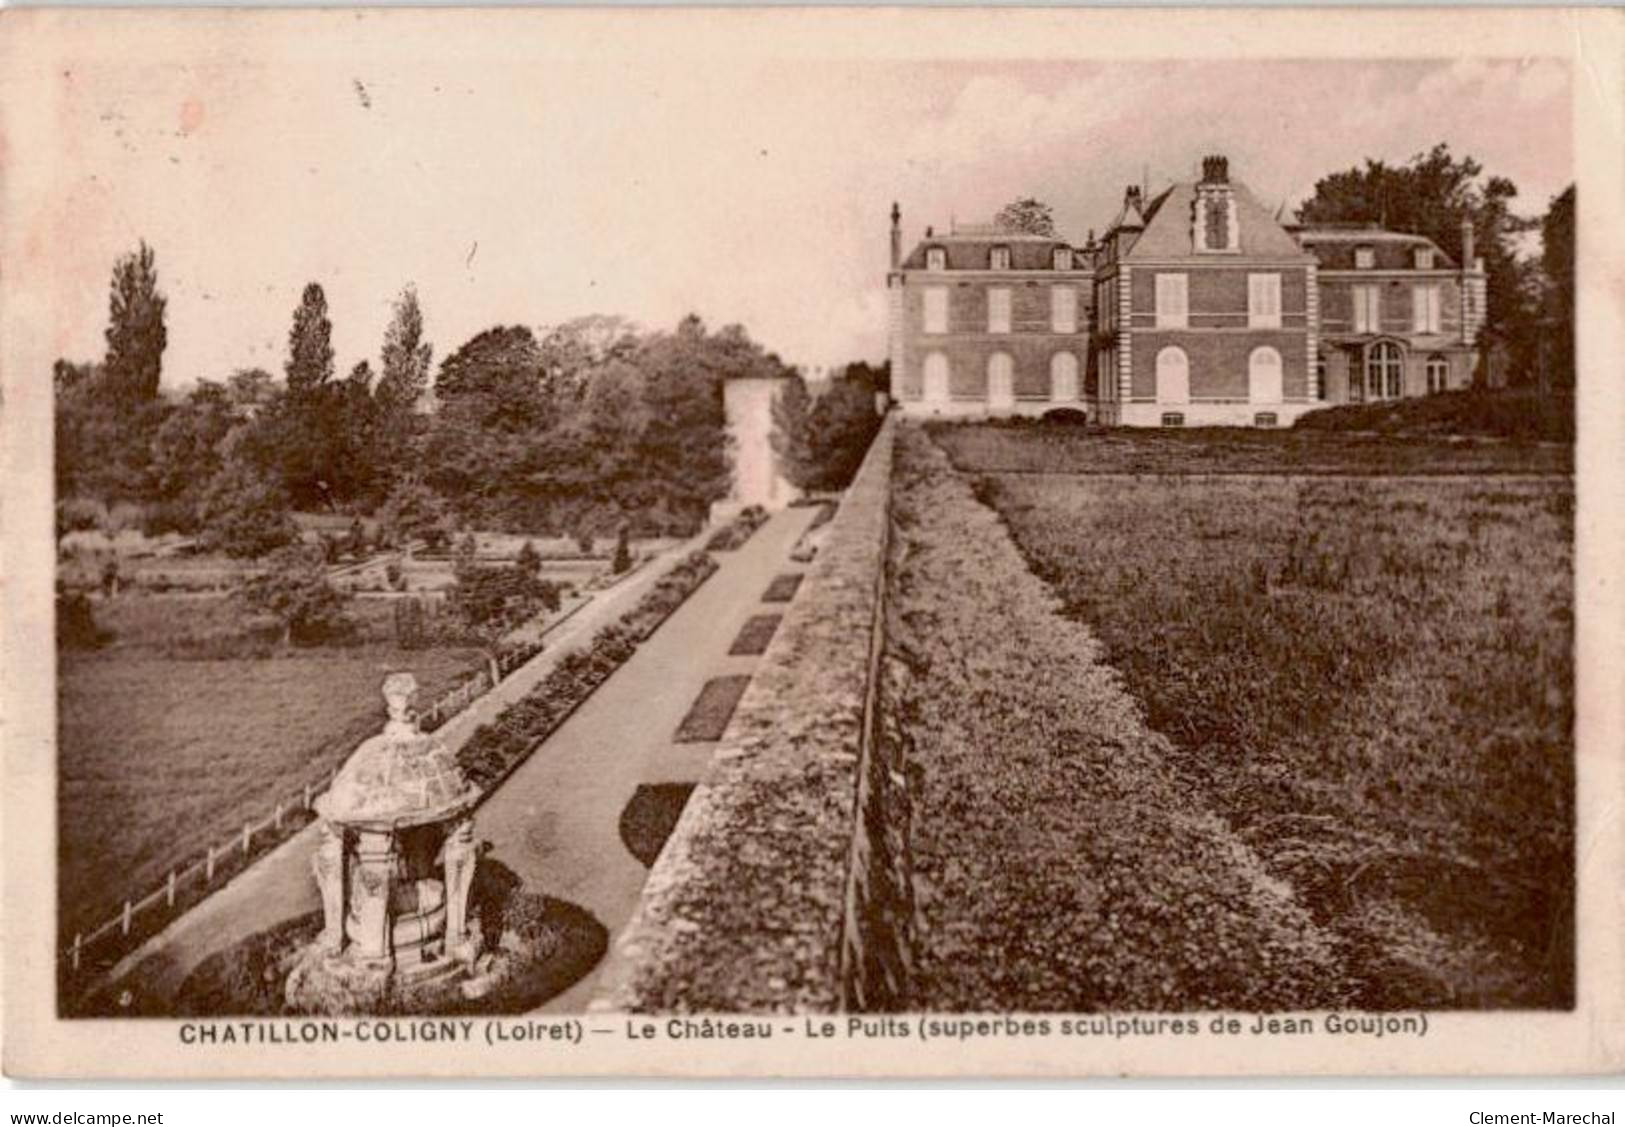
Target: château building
[1197,307]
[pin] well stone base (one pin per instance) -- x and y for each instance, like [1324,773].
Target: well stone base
[321,983]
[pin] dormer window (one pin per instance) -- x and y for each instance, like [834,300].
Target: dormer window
[1424,258]
[936,258]
[1063,258]
[998,258]
[1364,258]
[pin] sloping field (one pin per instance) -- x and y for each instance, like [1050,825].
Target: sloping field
[1369,681]
[1060,862]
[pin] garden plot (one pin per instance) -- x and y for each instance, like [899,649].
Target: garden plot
[1370,681]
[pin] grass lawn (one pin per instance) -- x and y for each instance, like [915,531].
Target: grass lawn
[755,635]
[1371,680]
[161,757]
[708,717]
[1036,448]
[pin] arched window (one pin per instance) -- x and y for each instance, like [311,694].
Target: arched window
[1264,376]
[1438,374]
[936,378]
[1384,371]
[1063,377]
[1173,376]
[1001,390]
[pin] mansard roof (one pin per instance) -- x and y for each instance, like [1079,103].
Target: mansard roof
[1334,247]
[970,251]
[1168,228]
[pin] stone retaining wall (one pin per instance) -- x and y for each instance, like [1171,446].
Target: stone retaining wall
[773,893]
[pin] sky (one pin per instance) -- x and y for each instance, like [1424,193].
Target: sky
[509,190]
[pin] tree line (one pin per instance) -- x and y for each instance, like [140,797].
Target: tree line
[590,427]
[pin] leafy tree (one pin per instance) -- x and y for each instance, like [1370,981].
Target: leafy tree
[136,336]
[244,513]
[251,390]
[1026,216]
[1431,195]
[528,561]
[821,443]
[571,352]
[406,359]
[1557,264]
[310,345]
[413,512]
[488,602]
[186,454]
[294,589]
[622,562]
[792,433]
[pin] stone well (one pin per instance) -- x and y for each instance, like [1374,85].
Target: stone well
[395,863]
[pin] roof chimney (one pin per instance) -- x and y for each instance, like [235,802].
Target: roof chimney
[1132,198]
[1215,170]
[896,235]
[1467,244]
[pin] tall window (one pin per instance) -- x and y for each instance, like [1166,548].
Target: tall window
[1364,258]
[936,259]
[936,309]
[1063,309]
[1264,376]
[1063,377]
[1384,371]
[1438,374]
[998,310]
[1320,378]
[1062,259]
[1264,301]
[1001,391]
[1173,309]
[1425,309]
[998,258]
[1367,309]
[936,378]
[1173,376]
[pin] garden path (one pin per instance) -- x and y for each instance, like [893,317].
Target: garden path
[555,821]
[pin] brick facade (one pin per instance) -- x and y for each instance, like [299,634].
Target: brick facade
[1262,316]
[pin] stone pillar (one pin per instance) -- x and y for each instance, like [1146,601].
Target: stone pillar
[328,863]
[460,857]
[369,894]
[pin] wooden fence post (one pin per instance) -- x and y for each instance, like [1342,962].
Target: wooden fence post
[169,890]
[248,832]
[208,866]
[276,818]
[78,944]
[125,920]
[307,796]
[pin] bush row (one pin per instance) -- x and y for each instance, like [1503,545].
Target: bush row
[496,748]
[734,534]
